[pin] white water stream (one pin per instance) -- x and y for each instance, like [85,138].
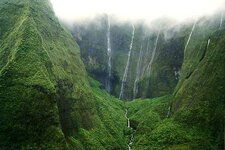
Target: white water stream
[127,65]
[189,38]
[138,71]
[208,43]
[153,55]
[109,53]
[131,140]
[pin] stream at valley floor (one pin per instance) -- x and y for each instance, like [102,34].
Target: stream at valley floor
[131,137]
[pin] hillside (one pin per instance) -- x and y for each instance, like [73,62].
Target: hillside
[46,101]
[193,116]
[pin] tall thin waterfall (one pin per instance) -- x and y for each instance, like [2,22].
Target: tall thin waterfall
[208,43]
[221,20]
[109,53]
[189,38]
[146,53]
[127,66]
[138,71]
[153,55]
[147,49]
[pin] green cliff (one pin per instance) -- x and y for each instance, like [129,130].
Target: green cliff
[46,101]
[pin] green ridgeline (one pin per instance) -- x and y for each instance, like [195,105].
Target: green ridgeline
[46,101]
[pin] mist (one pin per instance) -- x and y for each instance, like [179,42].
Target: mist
[131,10]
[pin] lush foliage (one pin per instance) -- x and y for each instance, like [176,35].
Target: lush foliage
[48,101]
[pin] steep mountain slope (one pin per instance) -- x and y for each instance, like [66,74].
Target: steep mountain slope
[46,101]
[193,117]
[201,88]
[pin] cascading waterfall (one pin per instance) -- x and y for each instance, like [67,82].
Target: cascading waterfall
[109,53]
[153,55]
[130,142]
[127,65]
[189,38]
[138,71]
[221,20]
[128,120]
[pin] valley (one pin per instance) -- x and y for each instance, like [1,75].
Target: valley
[109,85]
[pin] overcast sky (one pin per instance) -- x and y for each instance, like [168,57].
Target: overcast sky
[73,10]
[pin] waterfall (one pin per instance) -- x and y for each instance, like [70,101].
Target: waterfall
[127,65]
[205,50]
[131,140]
[221,20]
[168,112]
[153,55]
[128,120]
[138,71]
[109,53]
[147,49]
[193,28]
[177,74]
[208,43]
[146,53]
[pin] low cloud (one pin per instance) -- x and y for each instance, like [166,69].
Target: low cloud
[148,10]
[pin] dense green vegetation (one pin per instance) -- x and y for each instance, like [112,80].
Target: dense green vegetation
[49,101]
[156,128]
[193,117]
[46,101]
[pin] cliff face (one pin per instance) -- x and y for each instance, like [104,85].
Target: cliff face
[147,74]
[199,95]
[193,116]
[46,101]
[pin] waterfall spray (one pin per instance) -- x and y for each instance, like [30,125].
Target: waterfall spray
[127,65]
[109,53]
